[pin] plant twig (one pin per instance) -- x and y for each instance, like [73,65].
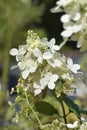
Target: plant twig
[64,114]
[32,110]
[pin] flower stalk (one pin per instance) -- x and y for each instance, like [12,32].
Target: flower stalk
[39,122]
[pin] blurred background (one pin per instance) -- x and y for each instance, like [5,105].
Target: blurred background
[16,18]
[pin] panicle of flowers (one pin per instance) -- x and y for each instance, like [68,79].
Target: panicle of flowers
[55,125]
[41,65]
[74,20]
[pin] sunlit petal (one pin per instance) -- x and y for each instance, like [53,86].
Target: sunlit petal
[51,85]
[65,18]
[47,55]
[14,52]
[37,52]
[66,33]
[54,78]
[25,74]
[69,61]
[37,91]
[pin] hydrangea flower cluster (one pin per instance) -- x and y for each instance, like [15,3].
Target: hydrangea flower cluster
[74,20]
[47,76]
[41,65]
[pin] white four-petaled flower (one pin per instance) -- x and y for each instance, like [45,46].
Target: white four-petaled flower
[52,46]
[49,80]
[73,67]
[46,55]
[25,64]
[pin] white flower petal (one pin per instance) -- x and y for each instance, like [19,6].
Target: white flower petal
[70,125]
[77,66]
[14,52]
[25,74]
[83,119]
[37,91]
[32,69]
[14,67]
[66,33]
[47,55]
[37,52]
[19,57]
[76,28]
[43,82]
[19,63]
[52,41]
[70,62]
[65,18]
[54,78]
[51,85]
[56,9]
[22,49]
[56,47]
[74,125]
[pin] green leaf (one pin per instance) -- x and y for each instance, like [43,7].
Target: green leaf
[55,103]
[72,106]
[45,108]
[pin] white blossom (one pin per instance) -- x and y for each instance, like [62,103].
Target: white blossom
[37,53]
[54,62]
[73,67]
[38,89]
[74,125]
[49,80]
[70,30]
[47,55]
[66,18]
[52,46]
[39,59]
